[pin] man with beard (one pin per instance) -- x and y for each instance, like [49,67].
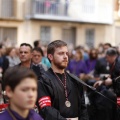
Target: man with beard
[60,95]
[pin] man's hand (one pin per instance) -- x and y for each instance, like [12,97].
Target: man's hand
[108,81]
[98,83]
[82,76]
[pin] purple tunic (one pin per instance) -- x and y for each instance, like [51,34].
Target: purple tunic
[77,67]
[32,114]
[90,65]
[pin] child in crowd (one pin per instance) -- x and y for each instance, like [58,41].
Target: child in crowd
[21,89]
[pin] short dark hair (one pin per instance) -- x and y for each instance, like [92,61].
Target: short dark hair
[14,75]
[38,50]
[36,43]
[108,44]
[26,44]
[55,44]
[111,52]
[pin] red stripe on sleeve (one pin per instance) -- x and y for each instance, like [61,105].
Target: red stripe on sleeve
[118,100]
[44,101]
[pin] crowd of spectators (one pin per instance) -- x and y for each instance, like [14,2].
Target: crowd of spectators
[89,65]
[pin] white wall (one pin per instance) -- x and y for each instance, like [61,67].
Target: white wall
[94,11]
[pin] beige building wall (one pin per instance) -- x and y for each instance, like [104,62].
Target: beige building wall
[103,33]
[25,33]
[29,30]
[55,29]
[12,24]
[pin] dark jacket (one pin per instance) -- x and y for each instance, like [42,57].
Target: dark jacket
[49,87]
[101,67]
[38,70]
[115,68]
[4,63]
[115,73]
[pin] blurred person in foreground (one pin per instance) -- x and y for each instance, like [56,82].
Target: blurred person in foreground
[60,95]
[21,89]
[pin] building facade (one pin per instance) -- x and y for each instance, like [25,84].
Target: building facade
[83,22]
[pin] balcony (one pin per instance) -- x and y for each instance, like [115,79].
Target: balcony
[11,9]
[50,10]
[93,11]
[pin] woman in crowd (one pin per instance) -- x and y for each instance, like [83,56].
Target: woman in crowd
[77,66]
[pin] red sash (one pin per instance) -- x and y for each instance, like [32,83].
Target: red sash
[118,100]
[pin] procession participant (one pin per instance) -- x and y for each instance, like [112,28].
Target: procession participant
[60,95]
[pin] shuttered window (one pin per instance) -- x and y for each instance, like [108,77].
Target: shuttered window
[90,36]
[45,34]
[8,35]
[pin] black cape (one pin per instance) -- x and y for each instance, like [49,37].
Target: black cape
[49,86]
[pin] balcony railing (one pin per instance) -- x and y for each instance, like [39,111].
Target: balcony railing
[11,9]
[79,11]
[93,11]
[47,7]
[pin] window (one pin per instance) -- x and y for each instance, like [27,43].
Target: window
[90,36]
[7,8]
[69,36]
[45,34]
[8,35]
[117,35]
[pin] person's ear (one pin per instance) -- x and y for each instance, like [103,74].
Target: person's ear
[9,91]
[32,55]
[50,56]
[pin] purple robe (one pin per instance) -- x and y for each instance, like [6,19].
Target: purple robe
[77,67]
[90,65]
[32,114]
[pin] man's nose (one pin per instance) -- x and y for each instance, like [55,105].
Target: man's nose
[31,93]
[65,55]
[22,53]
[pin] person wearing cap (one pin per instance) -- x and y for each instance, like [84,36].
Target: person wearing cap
[108,87]
[114,63]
